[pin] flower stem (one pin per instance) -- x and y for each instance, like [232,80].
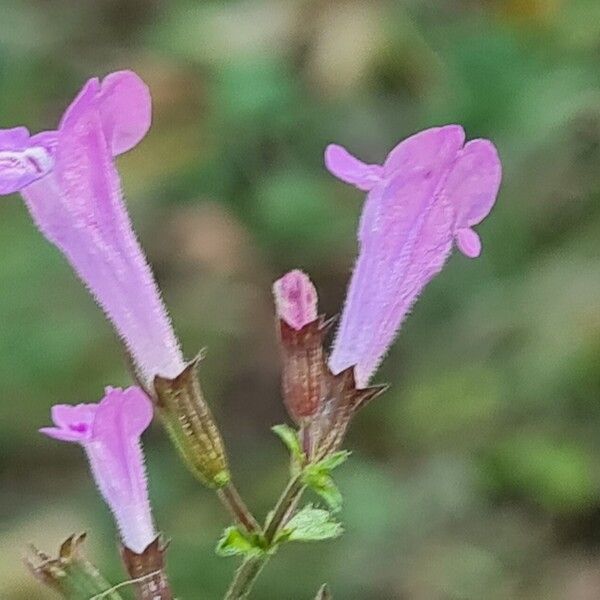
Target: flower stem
[231,499]
[245,577]
[248,573]
[283,509]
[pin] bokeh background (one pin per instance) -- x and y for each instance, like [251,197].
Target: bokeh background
[477,476]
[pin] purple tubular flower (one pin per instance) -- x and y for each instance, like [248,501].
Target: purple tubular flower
[295,299]
[431,190]
[72,190]
[110,435]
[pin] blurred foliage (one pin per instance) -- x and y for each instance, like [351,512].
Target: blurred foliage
[478,474]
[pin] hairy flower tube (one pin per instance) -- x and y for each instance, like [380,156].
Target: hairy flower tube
[430,191]
[109,432]
[71,187]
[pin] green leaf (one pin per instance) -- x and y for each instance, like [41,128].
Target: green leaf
[333,460]
[289,437]
[318,478]
[322,484]
[312,524]
[233,543]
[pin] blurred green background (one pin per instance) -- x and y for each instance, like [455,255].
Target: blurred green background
[477,476]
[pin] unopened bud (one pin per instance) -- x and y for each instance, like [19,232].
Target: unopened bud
[191,426]
[295,299]
[301,334]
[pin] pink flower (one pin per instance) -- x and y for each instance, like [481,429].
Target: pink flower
[109,432]
[72,190]
[430,191]
[295,299]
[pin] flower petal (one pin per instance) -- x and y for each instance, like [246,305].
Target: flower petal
[126,109]
[344,166]
[22,160]
[468,242]
[295,299]
[64,415]
[473,183]
[64,435]
[131,402]
[431,149]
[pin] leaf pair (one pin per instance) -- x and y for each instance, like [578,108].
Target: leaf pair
[308,525]
[316,476]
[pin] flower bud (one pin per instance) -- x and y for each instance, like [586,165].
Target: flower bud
[301,335]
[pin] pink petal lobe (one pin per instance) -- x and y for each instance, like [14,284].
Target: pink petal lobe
[16,138]
[64,415]
[126,110]
[431,149]
[468,242]
[295,299]
[23,160]
[63,435]
[340,163]
[474,181]
[131,402]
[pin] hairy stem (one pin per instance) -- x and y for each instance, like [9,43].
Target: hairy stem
[248,573]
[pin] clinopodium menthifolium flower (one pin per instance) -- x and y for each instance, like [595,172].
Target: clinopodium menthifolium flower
[430,192]
[72,190]
[109,432]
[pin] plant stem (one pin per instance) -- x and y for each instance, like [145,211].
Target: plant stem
[231,499]
[285,505]
[245,577]
[248,573]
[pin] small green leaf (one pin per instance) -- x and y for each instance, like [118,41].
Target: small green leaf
[333,460]
[233,542]
[289,437]
[322,484]
[312,524]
